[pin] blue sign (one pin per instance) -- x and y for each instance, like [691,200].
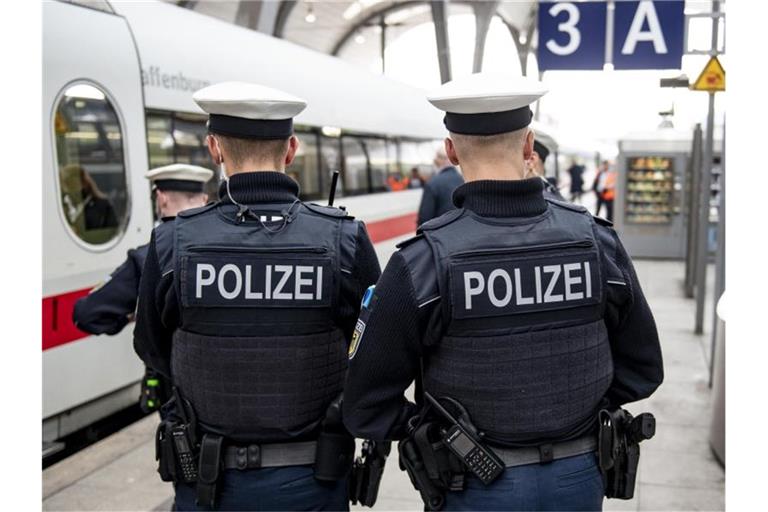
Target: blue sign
[571,35]
[648,34]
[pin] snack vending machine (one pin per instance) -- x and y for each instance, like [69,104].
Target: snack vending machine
[651,210]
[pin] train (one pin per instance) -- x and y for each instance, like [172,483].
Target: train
[117,100]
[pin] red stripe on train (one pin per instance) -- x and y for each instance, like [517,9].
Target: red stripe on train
[58,328]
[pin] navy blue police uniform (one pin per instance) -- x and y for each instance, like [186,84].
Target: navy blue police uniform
[249,304]
[528,312]
[436,198]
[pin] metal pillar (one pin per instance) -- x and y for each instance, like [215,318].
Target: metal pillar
[719,260]
[383,42]
[484,12]
[693,212]
[706,184]
[440,19]
[248,14]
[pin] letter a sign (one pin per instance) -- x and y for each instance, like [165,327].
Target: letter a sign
[648,35]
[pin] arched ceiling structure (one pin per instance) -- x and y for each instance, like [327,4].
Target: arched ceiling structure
[332,26]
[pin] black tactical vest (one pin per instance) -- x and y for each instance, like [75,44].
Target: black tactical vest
[526,350]
[257,352]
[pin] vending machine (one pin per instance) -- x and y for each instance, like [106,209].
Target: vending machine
[652,197]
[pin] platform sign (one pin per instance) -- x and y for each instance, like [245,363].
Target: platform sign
[571,35]
[712,77]
[648,34]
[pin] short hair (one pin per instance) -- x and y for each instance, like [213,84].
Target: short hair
[241,150]
[485,146]
[183,195]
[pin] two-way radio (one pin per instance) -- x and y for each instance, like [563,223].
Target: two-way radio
[462,439]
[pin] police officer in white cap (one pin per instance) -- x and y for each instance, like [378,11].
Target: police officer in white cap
[109,307]
[249,304]
[520,315]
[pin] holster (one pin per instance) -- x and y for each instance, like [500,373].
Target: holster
[208,470]
[335,447]
[618,454]
[365,477]
[178,413]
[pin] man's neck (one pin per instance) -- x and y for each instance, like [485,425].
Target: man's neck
[254,166]
[503,172]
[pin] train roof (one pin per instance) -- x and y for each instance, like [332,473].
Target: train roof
[181,51]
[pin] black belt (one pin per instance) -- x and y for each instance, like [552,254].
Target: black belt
[269,455]
[546,452]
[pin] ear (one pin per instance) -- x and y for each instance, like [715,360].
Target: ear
[214,149]
[528,145]
[293,147]
[450,151]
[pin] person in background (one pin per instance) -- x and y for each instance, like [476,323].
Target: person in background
[605,189]
[576,172]
[438,192]
[109,307]
[535,167]
[416,180]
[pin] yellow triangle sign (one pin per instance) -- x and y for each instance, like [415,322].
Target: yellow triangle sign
[712,78]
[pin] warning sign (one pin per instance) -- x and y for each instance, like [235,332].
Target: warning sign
[712,78]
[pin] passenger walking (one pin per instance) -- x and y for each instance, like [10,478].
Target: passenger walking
[521,316]
[109,307]
[605,189]
[576,173]
[438,191]
[249,304]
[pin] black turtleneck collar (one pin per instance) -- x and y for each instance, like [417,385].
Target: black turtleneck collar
[502,198]
[260,187]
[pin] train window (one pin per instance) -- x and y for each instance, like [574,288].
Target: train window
[91,166]
[330,160]
[159,140]
[304,169]
[418,155]
[354,166]
[380,158]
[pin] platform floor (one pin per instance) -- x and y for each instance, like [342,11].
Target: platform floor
[677,469]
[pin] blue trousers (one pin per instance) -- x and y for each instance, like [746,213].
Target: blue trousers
[288,488]
[571,484]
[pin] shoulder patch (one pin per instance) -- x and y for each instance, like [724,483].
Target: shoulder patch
[602,221]
[441,221]
[409,241]
[328,211]
[197,211]
[568,206]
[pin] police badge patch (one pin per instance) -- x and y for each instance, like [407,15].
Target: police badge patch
[365,310]
[356,337]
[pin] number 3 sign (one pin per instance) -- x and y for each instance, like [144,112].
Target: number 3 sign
[646,34]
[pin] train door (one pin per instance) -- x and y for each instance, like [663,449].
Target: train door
[96,205]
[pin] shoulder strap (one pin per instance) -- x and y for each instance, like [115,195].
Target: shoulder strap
[328,211]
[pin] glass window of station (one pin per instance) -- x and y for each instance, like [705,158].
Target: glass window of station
[90,164]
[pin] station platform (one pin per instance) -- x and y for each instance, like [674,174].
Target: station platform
[677,469]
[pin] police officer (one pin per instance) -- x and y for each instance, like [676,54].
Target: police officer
[525,310]
[109,307]
[536,165]
[248,304]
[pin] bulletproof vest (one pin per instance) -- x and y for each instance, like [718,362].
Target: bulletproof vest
[257,352]
[525,348]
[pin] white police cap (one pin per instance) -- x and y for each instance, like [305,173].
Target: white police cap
[251,111]
[180,177]
[487,103]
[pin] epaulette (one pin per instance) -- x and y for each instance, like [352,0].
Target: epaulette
[568,206]
[328,211]
[197,211]
[410,241]
[441,221]
[602,221]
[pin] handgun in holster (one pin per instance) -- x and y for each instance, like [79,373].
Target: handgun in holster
[619,441]
[367,471]
[335,446]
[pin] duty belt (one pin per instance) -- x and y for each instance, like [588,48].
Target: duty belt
[546,452]
[269,455]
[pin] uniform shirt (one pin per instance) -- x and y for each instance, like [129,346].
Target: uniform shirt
[107,308]
[158,313]
[438,192]
[403,322]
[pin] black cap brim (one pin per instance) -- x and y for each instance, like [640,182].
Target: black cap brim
[241,128]
[179,185]
[488,123]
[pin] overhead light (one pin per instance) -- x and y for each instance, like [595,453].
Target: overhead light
[607,66]
[357,7]
[331,131]
[310,17]
[523,39]
[359,38]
